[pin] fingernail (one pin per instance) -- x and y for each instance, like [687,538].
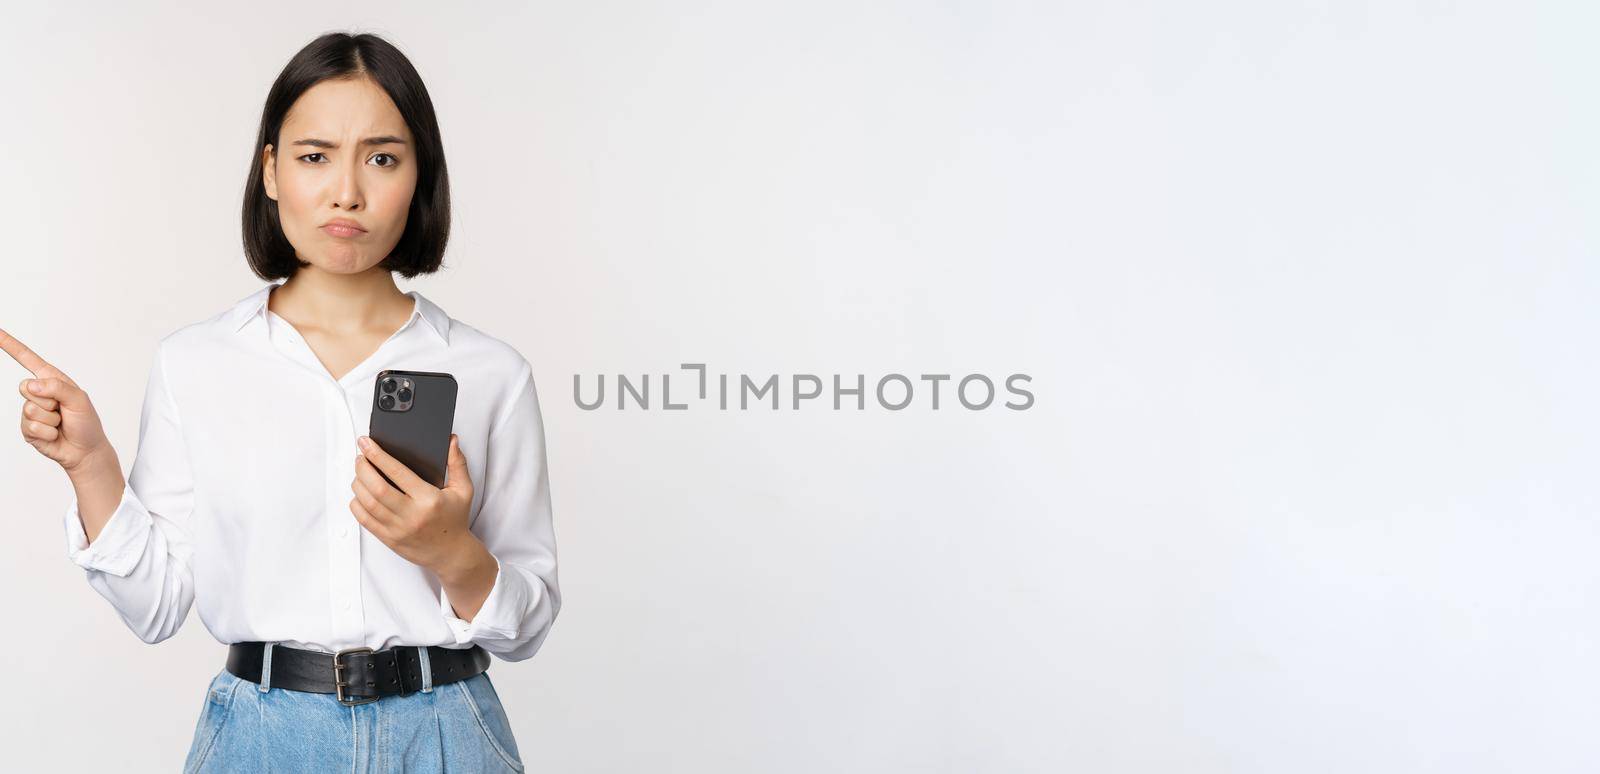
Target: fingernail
[363,441]
[34,385]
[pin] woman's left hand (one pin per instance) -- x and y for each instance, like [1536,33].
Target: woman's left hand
[425,524]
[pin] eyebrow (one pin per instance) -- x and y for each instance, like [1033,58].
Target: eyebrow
[387,139]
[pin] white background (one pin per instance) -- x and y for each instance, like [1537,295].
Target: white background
[1307,292]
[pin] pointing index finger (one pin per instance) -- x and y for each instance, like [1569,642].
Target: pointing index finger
[20,353]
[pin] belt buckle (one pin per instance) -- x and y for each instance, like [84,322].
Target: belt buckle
[339,683]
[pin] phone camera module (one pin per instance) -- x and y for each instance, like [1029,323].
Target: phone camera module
[386,402]
[389,384]
[404,395]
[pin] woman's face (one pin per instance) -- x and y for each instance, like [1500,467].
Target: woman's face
[347,155]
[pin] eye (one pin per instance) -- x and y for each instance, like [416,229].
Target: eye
[393,161]
[309,155]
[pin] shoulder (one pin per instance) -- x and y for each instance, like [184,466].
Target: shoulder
[494,371]
[493,358]
[201,337]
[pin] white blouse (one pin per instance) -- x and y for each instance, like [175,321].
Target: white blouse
[238,499]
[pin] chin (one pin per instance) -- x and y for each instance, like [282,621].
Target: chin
[333,268]
[344,264]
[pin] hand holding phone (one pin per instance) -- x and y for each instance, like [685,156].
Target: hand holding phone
[412,488]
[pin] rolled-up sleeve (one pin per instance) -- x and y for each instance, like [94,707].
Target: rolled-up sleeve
[515,524]
[140,561]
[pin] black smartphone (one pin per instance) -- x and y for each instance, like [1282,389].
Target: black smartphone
[412,416]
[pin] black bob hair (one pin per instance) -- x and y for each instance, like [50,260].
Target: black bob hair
[342,55]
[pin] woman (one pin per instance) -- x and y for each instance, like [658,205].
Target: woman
[359,614]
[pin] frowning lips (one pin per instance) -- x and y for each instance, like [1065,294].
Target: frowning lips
[343,227]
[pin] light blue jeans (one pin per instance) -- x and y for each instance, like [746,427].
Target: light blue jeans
[246,726]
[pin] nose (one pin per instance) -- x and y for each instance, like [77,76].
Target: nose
[347,189]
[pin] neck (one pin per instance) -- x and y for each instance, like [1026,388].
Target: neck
[340,304]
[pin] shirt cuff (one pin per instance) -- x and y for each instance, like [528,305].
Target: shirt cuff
[499,618]
[121,542]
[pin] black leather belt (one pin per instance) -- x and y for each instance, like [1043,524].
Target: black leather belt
[356,675]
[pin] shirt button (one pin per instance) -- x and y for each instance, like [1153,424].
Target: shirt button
[347,605]
[344,531]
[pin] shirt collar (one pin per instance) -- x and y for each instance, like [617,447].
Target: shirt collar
[254,307]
